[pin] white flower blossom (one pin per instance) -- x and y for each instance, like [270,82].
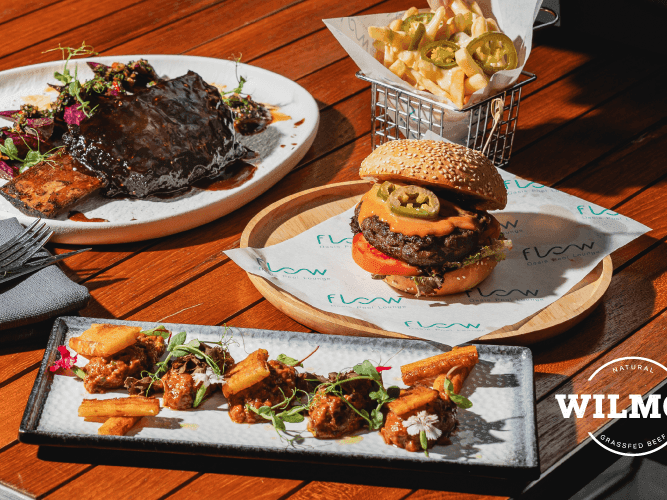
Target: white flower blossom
[208,377]
[422,421]
[213,378]
[200,377]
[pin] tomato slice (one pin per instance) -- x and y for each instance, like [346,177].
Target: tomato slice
[374,261]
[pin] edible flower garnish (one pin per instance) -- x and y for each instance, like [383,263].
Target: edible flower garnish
[66,360]
[423,424]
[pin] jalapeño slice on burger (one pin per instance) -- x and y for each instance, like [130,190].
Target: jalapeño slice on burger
[424,226]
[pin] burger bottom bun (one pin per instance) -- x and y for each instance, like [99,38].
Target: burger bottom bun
[456,281]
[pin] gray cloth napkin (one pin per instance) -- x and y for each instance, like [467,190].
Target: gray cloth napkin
[36,297]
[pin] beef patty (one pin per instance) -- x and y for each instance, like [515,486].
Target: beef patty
[425,251]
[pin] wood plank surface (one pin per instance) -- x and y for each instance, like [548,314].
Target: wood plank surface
[584,127]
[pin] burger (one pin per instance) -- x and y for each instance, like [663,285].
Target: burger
[423,227]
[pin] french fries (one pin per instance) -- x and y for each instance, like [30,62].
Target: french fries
[437,365]
[399,48]
[117,426]
[247,373]
[104,340]
[135,406]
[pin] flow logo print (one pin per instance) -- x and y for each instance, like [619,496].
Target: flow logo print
[410,324]
[641,439]
[322,239]
[557,250]
[507,224]
[289,270]
[503,293]
[529,184]
[605,211]
[362,300]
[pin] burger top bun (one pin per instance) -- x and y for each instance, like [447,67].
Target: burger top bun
[439,164]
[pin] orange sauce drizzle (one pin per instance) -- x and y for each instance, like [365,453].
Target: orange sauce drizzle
[445,224]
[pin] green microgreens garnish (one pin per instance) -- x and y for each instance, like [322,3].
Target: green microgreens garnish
[79,372]
[457,399]
[278,419]
[32,157]
[72,82]
[160,331]
[176,349]
[423,441]
[285,359]
[234,95]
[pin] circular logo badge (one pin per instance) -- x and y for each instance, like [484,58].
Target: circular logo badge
[642,435]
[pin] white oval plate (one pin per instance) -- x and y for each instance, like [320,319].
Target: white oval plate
[280,147]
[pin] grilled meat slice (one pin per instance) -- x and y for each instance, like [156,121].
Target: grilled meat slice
[331,417]
[106,373]
[51,187]
[159,139]
[280,383]
[180,383]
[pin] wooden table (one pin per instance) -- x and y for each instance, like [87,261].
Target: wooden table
[585,128]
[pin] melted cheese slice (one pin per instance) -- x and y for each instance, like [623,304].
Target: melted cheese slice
[450,217]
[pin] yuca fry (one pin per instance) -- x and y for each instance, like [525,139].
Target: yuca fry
[440,364]
[117,426]
[396,25]
[479,27]
[475,83]
[398,68]
[99,420]
[432,87]
[247,373]
[104,340]
[459,7]
[456,375]
[412,11]
[474,6]
[492,24]
[433,27]
[457,87]
[135,406]
[409,401]
[467,63]
[409,57]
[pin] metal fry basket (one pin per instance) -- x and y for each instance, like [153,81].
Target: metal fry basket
[397,113]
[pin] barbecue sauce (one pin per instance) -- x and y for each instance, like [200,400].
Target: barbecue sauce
[236,175]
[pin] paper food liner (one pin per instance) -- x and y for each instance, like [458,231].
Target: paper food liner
[515,19]
[558,239]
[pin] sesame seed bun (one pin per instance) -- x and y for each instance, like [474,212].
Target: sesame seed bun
[456,281]
[441,165]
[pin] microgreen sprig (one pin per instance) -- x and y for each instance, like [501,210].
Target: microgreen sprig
[176,349]
[457,399]
[278,418]
[72,82]
[365,371]
[32,157]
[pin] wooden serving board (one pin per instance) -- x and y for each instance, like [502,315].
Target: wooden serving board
[297,213]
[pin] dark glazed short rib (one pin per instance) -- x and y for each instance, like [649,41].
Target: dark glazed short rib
[160,139]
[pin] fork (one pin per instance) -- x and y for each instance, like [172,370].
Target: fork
[9,274]
[19,249]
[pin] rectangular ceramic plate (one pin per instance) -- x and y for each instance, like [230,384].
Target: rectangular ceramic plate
[495,438]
